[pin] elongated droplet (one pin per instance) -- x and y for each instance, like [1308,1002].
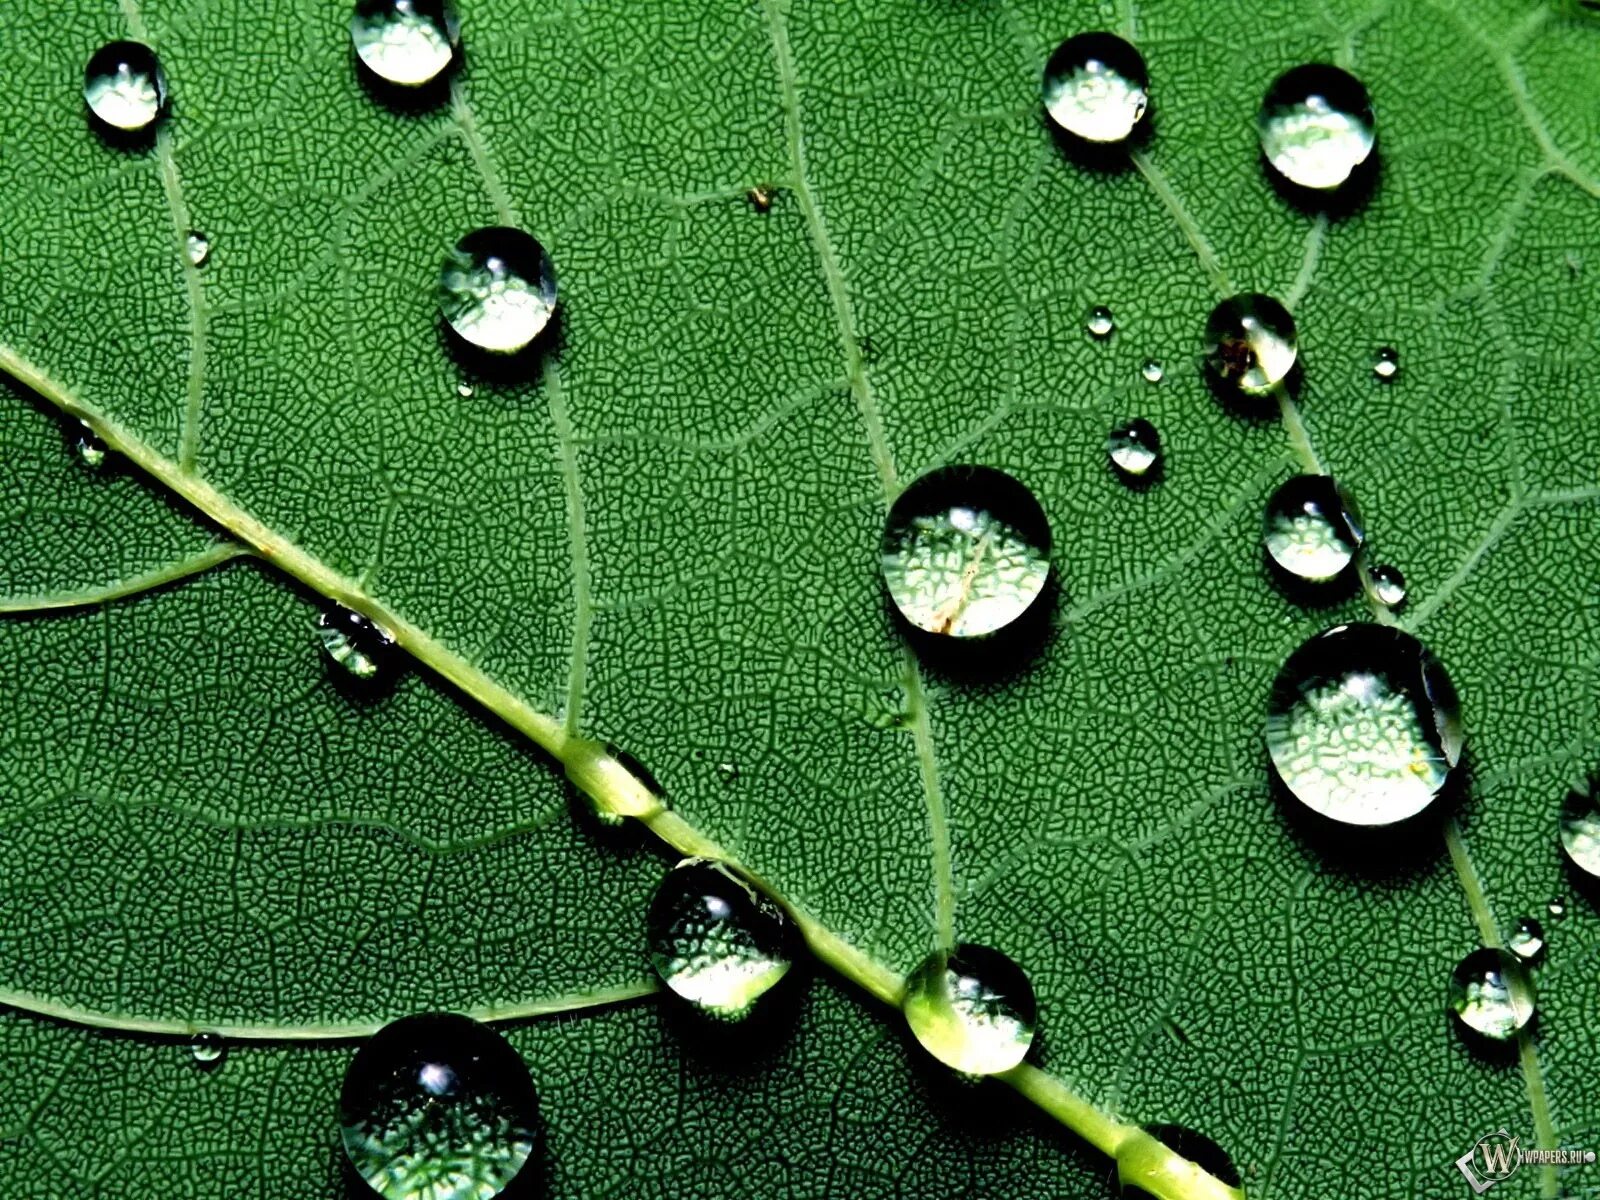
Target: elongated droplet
[1491,994]
[972,1008]
[1096,87]
[966,551]
[1580,831]
[1557,908]
[91,451]
[125,87]
[1316,125]
[197,246]
[1389,586]
[1138,1168]
[715,940]
[497,289]
[408,43]
[1151,370]
[1134,449]
[1250,343]
[208,1050]
[1099,322]
[357,645]
[1312,530]
[1363,725]
[1386,363]
[438,1107]
[1527,940]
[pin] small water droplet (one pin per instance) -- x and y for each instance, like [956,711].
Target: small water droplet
[1250,343]
[972,1008]
[1557,908]
[197,246]
[91,451]
[1580,830]
[1388,586]
[1312,530]
[125,87]
[1316,125]
[729,772]
[464,390]
[438,1107]
[1134,448]
[966,551]
[357,645]
[208,1050]
[1527,940]
[408,43]
[715,940]
[1151,370]
[1363,725]
[1100,322]
[761,197]
[497,289]
[1491,994]
[1096,87]
[1386,363]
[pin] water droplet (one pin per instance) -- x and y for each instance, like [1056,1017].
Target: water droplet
[761,197]
[966,551]
[1527,940]
[197,246]
[1312,530]
[1134,448]
[1316,125]
[1250,343]
[715,940]
[1096,87]
[497,289]
[356,644]
[1557,908]
[91,451]
[125,87]
[1135,1160]
[1386,363]
[408,43]
[972,1008]
[1099,322]
[1388,586]
[1363,725]
[729,772]
[1151,370]
[1580,830]
[438,1107]
[208,1050]
[464,390]
[1491,994]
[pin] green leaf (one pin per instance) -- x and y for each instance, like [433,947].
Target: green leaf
[668,541]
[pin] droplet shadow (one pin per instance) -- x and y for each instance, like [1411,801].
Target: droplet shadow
[1256,409]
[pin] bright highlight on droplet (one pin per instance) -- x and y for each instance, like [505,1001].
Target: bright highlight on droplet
[1389,586]
[1316,125]
[196,247]
[1311,529]
[1250,343]
[972,1008]
[1580,830]
[356,645]
[407,43]
[1134,449]
[125,87]
[497,289]
[1100,322]
[1096,87]
[1491,994]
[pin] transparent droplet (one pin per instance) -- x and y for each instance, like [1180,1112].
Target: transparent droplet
[715,940]
[1100,322]
[1096,87]
[761,197]
[729,772]
[1527,940]
[1557,908]
[972,1008]
[438,1107]
[1386,363]
[356,644]
[91,451]
[408,43]
[464,390]
[1250,343]
[1491,994]
[1363,725]
[197,246]
[1138,1166]
[1316,125]
[1134,448]
[1388,586]
[208,1050]
[966,551]
[1151,370]
[497,289]
[1312,530]
[1580,830]
[125,87]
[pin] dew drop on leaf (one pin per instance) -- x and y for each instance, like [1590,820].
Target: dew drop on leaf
[208,1050]
[1580,832]
[197,246]
[464,390]
[1491,994]
[966,551]
[1100,322]
[1096,87]
[1527,940]
[357,645]
[972,1008]
[91,451]
[1389,586]
[715,940]
[1557,908]
[1134,449]
[1363,725]
[1250,343]
[1152,371]
[1132,1166]
[125,87]
[1386,363]
[1311,530]
[438,1107]
[407,43]
[497,289]
[1316,125]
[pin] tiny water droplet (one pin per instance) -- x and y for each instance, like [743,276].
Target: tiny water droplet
[1100,322]
[357,645]
[1134,448]
[1527,940]
[497,289]
[208,1050]
[966,551]
[1316,125]
[91,451]
[1386,363]
[972,1008]
[1151,370]
[729,772]
[464,390]
[438,1107]
[1133,1161]
[1491,994]
[1096,87]
[1312,530]
[197,246]
[1250,343]
[408,43]
[1363,725]
[1580,830]
[125,87]
[715,940]
[761,197]
[1557,908]
[1389,586]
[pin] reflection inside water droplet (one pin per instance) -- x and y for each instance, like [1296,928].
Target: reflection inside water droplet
[1491,994]
[1099,322]
[125,87]
[1250,343]
[197,247]
[408,43]
[497,289]
[1134,449]
[1580,830]
[972,1008]
[1096,87]
[356,645]
[91,451]
[1316,125]
[1311,529]
[1527,940]
[1388,586]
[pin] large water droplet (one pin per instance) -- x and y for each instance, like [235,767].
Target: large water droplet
[208,1050]
[438,1107]
[1388,586]
[715,940]
[356,644]
[1491,994]
[1386,363]
[1134,449]
[197,246]
[1527,940]
[408,43]
[1363,725]
[1100,322]
[972,1008]
[1152,371]
[1250,343]
[1312,530]
[125,87]
[966,551]
[1096,87]
[1316,125]
[1580,830]
[497,289]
